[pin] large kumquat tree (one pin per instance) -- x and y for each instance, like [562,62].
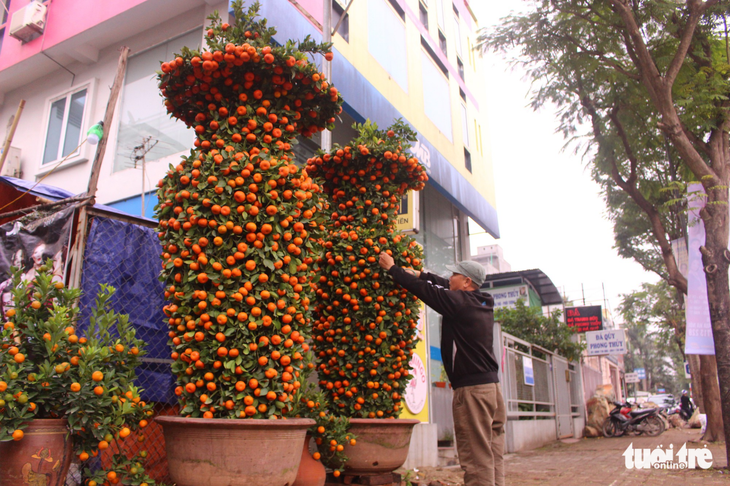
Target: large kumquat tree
[237,218]
[365,323]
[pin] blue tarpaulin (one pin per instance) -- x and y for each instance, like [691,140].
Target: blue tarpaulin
[127,257]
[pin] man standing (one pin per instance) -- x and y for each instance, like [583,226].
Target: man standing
[468,357]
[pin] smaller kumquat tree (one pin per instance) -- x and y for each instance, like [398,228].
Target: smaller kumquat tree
[365,328]
[48,371]
[330,432]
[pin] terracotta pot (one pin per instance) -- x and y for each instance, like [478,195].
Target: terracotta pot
[439,384]
[228,452]
[43,456]
[381,446]
[311,471]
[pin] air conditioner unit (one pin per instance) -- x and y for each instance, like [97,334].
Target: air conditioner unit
[12,163]
[28,23]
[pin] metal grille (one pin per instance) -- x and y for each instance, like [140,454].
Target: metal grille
[542,387]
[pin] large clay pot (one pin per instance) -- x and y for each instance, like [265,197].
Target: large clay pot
[228,452]
[43,456]
[381,445]
[311,471]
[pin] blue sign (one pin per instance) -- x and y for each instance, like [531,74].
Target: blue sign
[528,371]
[641,372]
[661,390]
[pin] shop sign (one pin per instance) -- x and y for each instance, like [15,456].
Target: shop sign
[606,342]
[528,371]
[408,216]
[584,319]
[507,297]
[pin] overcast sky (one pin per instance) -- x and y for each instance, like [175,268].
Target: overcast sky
[551,214]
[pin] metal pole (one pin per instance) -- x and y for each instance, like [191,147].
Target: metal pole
[327,65]
[143,173]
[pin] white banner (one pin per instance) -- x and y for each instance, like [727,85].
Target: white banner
[699,338]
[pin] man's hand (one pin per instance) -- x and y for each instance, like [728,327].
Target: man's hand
[385,261]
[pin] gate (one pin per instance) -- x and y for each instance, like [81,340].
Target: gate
[563,411]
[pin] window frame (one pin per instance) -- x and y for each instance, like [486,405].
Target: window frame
[4,20]
[423,14]
[83,154]
[443,44]
[467,160]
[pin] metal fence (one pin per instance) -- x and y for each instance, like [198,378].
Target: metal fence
[124,252]
[556,389]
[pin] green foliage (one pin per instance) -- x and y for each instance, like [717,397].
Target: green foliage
[48,371]
[655,326]
[582,57]
[330,432]
[549,332]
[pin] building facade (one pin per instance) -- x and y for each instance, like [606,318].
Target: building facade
[410,59]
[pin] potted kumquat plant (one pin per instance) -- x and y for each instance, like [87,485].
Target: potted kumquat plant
[63,395]
[237,226]
[365,328]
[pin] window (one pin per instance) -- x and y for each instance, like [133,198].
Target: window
[464,126]
[396,6]
[344,28]
[467,160]
[478,137]
[462,94]
[427,47]
[423,14]
[440,14]
[389,50]
[460,67]
[5,5]
[65,121]
[142,113]
[436,96]
[457,36]
[442,42]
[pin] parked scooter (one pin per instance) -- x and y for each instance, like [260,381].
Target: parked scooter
[623,419]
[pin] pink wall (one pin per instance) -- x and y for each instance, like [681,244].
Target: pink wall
[65,19]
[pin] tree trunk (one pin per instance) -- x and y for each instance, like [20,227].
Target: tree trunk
[696,378]
[715,258]
[711,399]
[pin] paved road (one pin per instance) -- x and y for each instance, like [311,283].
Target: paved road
[589,462]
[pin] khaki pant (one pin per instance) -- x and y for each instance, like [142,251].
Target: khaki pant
[479,419]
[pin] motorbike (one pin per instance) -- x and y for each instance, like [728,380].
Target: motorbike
[622,419]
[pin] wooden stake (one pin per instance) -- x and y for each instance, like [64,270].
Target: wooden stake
[11,133]
[80,243]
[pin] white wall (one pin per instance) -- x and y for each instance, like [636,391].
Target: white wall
[29,135]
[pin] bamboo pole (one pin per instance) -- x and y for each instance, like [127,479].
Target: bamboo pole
[81,230]
[11,133]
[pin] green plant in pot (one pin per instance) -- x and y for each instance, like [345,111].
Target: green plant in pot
[63,395]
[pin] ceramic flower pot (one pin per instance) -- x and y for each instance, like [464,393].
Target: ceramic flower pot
[381,446]
[311,471]
[229,452]
[43,456]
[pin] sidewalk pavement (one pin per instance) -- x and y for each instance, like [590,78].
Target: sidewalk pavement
[589,462]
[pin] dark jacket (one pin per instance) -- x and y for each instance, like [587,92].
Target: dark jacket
[467,332]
